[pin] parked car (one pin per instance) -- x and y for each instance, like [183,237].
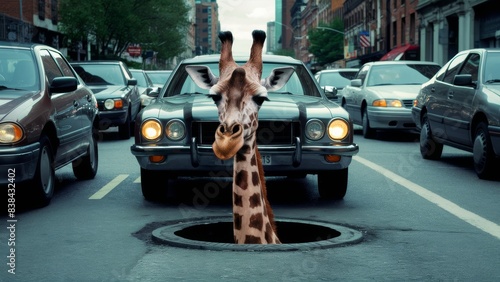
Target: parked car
[300,131]
[116,92]
[47,120]
[144,85]
[159,77]
[334,80]
[460,107]
[381,95]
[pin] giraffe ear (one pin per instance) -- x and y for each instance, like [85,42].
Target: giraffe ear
[202,76]
[277,78]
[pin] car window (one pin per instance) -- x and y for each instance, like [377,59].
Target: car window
[362,73]
[51,69]
[300,83]
[453,68]
[141,79]
[63,64]
[491,70]
[18,70]
[338,79]
[100,74]
[471,66]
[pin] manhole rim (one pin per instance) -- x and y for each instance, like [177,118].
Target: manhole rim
[165,235]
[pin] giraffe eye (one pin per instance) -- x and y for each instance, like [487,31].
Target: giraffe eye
[259,100]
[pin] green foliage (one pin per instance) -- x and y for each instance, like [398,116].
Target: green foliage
[327,45]
[159,25]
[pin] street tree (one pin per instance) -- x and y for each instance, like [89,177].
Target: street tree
[159,25]
[327,44]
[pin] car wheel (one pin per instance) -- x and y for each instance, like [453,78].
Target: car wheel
[368,132]
[333,184]
[86,166]
[154,184]
[43,182]
[124,129]
[484,158]
[429,148]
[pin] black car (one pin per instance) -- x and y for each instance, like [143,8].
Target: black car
[460,107]
[116,91]
[300,131]
[48,119]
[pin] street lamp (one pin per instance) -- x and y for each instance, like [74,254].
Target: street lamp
[328,28]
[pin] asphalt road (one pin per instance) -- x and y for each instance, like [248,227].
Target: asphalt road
[421,220]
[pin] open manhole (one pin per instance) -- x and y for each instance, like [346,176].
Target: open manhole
[217,234]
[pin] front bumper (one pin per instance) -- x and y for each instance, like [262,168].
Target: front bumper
[18,162]
[390,118]
[112,118]
[279,160]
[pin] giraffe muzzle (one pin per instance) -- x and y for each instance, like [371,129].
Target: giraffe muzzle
[228,140]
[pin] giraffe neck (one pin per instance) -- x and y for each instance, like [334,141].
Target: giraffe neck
[253,220]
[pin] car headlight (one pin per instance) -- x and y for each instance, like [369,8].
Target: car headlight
[11,133]
[315,129]
[175,130]
[110,104]
[388,103]
[338,129]
[151,129]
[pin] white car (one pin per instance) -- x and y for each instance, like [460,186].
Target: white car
[381,94]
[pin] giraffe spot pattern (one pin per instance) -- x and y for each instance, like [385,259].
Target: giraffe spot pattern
[249,239]
[241,179]
[255,200]
[255,178]
[257,221]
[237,200]
[253,161]
[269,233]
[237,221]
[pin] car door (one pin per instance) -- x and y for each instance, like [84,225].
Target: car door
[458,122]
[353,94]
[438,105]
[67,114]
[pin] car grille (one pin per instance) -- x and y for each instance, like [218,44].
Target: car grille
[268,133]
[408,103]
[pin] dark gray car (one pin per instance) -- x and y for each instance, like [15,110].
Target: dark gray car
[460,107]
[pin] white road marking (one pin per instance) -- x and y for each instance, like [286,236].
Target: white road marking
[108,187]
[137,180]
[465,215]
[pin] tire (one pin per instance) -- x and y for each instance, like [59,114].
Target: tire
[429,148]
[483,155]
[333,184]
[154,184]
[43,183]
[86,167]
[368,132]
[124,130]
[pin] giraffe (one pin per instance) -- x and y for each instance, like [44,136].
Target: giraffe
[239,93]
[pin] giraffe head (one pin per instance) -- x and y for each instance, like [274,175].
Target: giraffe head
[238,93]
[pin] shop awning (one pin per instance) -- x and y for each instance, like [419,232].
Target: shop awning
[399,53]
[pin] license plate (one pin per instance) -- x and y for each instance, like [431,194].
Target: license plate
[266,159]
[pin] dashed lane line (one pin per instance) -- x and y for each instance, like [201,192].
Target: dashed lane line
[465,215]
[108,187]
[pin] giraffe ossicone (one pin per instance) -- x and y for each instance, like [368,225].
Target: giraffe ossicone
[239,92]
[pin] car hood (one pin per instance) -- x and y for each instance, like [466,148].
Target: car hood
[12,99]
[492,88]
[280,106]
[403,92]
[109,91]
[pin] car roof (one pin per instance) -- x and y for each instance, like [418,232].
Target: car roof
[339,70]
[98,62]
[203,59]
[24,45]
[402,62]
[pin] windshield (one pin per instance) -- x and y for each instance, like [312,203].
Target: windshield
[491,71]
[300,83]
[18,70]
[401,74]
[159,77]
[338,79]
[100,74]
[141,79]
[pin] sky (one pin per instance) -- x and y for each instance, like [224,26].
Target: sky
[241,17]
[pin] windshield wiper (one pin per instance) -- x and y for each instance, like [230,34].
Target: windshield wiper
[190,93]
[285,92]
[493,80]
[3,87]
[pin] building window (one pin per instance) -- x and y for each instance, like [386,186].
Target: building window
[53,11]
[41,9]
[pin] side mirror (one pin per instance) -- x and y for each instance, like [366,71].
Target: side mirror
[330,92]
[463,80]
[356,82]
[132,82]
[63,84]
